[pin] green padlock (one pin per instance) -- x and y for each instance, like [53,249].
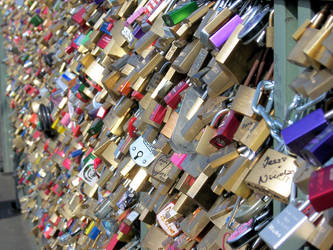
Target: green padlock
[36,20]
[179,14]
[96,127]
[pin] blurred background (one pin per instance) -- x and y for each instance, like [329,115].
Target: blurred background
[15,232]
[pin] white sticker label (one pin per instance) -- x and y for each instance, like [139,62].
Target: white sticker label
[127,33]
[88,173]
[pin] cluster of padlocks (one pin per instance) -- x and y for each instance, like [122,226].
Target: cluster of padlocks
[150,125]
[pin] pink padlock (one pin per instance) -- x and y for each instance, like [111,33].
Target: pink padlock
[177,159]
[67,163]
[66,119]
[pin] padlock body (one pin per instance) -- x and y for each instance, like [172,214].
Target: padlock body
[320,149]
[289,230]
[321,188]
[222,35]
[303,131]
[225,132]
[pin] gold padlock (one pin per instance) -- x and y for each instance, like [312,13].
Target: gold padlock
[243,100]
[235,58]
[273,175]
[270,31]
[185,59]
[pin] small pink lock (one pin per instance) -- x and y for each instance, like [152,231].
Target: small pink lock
[178,159]
[66,119]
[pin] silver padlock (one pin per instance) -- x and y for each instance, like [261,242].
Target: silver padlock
[142,152]
[290,229]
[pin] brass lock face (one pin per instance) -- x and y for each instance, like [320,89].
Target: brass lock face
[246,125]
[273,175]
[185,59]
[217,80]
[256,136]
[236,58]
[243,101]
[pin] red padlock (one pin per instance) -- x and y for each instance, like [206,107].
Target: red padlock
[226,130]
[173,97]
[158,114]
[321,188]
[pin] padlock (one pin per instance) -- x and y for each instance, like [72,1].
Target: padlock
[302,175]
[297,56]
[312,48]
[270,31]
[298,85]
[252,207]
[171,229]
[254,25]
[217,20]
[243,100]
[321,238]
[144,42]
[222,34]
[226,130]
[235,53]
[217,80]
[293,222]
[248,231]
[157,77]
[231,173]
[179,14]
[200,190]
[202,59]
[185,59]
[184,205]
[272,172]
[320,188]
[301,132]
[221,209]
[256,136]
[317,20]
[246,125]
[189,24]
[317,152]
[318,83]
[195,223]
[204,147]
[178,143]
[204,115]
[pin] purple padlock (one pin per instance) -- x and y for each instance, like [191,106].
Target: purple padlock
[99,1]
[138,32]
[320,149]
[300,133]
[222,35]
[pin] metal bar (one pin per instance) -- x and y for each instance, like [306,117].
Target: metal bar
[285,24]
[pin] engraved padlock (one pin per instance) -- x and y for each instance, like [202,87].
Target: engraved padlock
[273,175]
[292,221]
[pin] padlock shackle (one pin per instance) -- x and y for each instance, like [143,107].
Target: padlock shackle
[164,66]
[218,116]
[234,210]
[329,115]
[304,205]
[314,216]
[235,5]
